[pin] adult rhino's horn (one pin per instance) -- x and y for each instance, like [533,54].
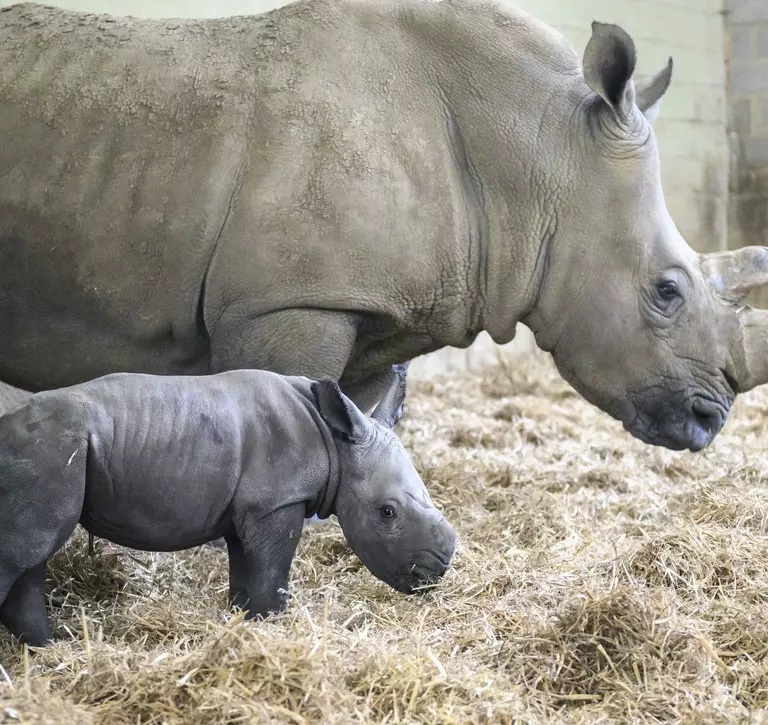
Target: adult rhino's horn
[751,359]
[733,275]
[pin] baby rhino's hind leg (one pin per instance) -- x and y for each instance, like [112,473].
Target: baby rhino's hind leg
[23,611]
[41,500]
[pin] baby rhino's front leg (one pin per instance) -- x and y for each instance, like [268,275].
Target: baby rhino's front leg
[260,556]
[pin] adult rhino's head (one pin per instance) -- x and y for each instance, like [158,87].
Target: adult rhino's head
[382,505]
[640,324]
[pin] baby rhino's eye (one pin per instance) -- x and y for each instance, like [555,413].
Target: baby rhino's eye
[387,512]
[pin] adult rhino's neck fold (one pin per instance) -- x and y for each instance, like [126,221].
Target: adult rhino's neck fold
[510,84]
[536,290]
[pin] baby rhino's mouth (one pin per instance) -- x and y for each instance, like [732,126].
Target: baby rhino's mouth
[418,577]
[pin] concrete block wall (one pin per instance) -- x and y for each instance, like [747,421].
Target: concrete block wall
[747,63]
[690,129]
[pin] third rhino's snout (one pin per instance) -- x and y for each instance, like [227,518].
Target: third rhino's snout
[420,576]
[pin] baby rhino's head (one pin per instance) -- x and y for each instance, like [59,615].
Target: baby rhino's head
[382,504]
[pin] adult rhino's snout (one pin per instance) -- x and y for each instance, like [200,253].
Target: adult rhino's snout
[680,425]
[706,420]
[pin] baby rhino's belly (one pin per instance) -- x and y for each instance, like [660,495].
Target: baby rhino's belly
[156,503]
[150,533]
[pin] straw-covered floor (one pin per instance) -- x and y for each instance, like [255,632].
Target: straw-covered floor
[596,580]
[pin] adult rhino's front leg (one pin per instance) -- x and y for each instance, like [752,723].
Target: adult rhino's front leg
[315,343]
[311,342]
[367,392]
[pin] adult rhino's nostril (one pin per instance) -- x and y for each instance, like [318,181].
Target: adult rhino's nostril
[706,422]
[707,415]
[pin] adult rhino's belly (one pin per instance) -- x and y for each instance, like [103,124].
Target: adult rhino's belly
[67,317]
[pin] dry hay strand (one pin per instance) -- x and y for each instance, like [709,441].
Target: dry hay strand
[627,649]
[596,580]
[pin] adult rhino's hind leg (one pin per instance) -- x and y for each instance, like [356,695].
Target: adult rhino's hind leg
[23,611]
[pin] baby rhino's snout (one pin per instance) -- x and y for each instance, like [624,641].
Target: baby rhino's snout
[431,562]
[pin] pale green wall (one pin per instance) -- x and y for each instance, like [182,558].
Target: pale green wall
[691,125]
[691,128]
[747,27]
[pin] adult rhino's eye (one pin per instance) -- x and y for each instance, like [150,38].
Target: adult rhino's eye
[666,295]
[668,290]
[387,512]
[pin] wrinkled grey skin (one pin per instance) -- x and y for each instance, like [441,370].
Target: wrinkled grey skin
[163,463]
[338,186]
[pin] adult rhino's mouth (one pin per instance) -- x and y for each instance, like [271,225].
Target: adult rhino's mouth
[677,423]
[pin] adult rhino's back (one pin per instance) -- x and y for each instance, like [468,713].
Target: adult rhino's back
[129,148]
[121,146]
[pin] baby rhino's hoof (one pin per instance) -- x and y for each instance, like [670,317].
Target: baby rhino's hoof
[23,611]
[272,605]
[34,634]
[42,638]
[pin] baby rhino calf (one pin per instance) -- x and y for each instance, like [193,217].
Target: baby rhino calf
[166,463]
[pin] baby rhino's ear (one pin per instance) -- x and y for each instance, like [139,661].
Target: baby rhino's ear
[339,412]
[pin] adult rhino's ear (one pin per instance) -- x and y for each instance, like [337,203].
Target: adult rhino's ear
[648,92]
[339,412]
[609,62]
[390,408]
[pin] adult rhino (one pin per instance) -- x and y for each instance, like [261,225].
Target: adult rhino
[339,185]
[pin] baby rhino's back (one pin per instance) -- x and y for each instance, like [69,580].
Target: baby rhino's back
[165,454]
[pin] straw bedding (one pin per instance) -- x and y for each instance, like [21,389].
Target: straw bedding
[596,580]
